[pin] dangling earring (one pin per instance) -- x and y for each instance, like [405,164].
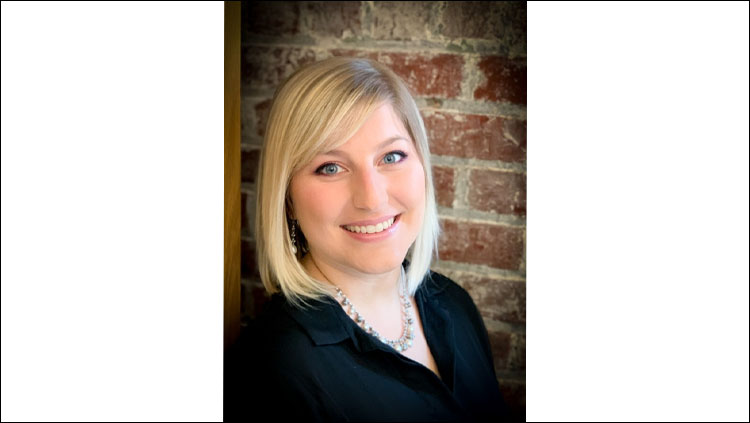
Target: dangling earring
[294,241]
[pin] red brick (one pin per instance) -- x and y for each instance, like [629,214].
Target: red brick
[497,299]
[517,357]
[248,215]
[431,75]
[505,80]
[244,221]
[262,110]
[254,117]
[250,165]
[263,67]
[275,18]
[444,185]
[401,20]
[487,20]
[515,132]
[332,19]
[476,136]
[500,343]
[249,264]
[498,192]
[478,243]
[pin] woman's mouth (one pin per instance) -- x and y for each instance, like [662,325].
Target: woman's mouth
[373,232]
[371,229]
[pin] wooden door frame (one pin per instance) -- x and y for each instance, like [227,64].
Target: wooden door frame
[232,164]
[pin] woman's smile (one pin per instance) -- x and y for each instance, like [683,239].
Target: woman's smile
[374,233]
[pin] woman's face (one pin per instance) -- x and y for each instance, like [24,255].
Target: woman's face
[375,176]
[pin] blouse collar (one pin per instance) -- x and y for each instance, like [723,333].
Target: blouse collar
[326,322]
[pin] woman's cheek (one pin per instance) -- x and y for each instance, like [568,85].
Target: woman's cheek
[417,181]
[319,197]
[307,196]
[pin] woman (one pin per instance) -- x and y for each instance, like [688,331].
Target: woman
[354,330]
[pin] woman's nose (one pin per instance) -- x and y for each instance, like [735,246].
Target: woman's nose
[369,190]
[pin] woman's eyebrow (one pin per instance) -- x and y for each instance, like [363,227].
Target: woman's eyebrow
[388,141]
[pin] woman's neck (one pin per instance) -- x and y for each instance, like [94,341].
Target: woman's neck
[373,295]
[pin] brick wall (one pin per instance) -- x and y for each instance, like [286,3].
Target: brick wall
[465,62]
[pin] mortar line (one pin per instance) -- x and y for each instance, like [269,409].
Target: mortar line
[461,187]
[474,216]
[472,163]
[478,270]
[478,46]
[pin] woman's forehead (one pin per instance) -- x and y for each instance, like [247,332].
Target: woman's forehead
[344,151]
[377,130]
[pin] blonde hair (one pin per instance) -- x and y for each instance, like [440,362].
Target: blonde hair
[318,108]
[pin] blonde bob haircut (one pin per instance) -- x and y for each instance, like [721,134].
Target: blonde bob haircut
[317,109]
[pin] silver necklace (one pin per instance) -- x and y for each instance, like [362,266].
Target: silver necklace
[407,337]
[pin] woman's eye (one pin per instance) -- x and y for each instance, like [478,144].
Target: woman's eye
[390,157]
[328,169]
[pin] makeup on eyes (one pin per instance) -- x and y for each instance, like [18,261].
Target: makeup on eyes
[324,165]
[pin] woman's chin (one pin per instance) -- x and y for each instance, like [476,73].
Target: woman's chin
[378,264]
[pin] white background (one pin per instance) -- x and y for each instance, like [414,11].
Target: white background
[112,211]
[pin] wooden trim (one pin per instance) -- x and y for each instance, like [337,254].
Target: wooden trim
[232,163]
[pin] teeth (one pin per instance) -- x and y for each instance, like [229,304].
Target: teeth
[371,229]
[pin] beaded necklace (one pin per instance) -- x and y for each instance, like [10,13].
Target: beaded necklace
[407,337]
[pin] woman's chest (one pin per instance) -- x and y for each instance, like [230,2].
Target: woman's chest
[421,353]
[420,350]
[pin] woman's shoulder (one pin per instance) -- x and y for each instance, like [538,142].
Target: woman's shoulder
[274,364]
[274,331]
[438,285]
[453,297]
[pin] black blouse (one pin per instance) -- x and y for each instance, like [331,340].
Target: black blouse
[317,364]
